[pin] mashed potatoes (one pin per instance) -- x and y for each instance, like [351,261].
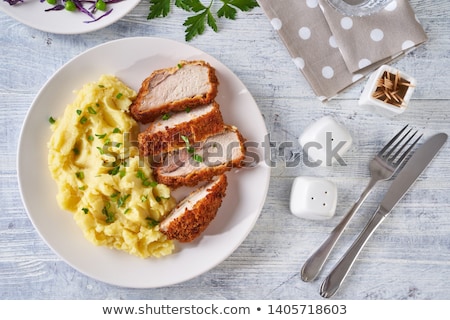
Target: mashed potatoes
[93,158]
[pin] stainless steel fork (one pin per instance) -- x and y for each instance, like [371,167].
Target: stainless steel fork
[381,167]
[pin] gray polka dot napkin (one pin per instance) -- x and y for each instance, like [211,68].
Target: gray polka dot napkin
[334,51]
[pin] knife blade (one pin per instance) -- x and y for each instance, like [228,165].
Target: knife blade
[401,184]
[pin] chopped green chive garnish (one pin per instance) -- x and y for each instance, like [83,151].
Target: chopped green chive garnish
[122,173]
[188,109]
[186,140]
[100,150]
[191,149]
[109,215]
[121,200]
[166,116]
[197,157]
[80,175]
[140,175]
[79,112]
[91,110]
[83,120]
[51,120]
[145,181]
[114,171]
[100,136]
[151,222]
[116,130]
[85,210]
[90,138]
[119,95]
[115,194]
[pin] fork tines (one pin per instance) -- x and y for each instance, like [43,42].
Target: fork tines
[393,159]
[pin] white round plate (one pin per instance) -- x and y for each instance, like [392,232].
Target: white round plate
[132,60]
[32,13]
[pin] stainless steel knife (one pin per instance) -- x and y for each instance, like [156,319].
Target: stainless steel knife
[401,184]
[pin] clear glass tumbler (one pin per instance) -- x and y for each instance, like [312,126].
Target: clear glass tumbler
[358,7]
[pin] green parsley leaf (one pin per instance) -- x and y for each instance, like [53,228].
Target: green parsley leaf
[204,15]
[228,10]
[159,8]
[195,25]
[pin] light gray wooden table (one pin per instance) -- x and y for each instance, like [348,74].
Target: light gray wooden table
[407,258]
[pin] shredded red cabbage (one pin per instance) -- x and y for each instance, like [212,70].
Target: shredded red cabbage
[87,7]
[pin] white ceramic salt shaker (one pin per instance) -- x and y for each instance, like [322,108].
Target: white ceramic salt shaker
[313,198]
[323,138]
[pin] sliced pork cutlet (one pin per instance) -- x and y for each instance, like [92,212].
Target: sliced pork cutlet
[191,165]
[195,212]
[169,133]
[190,84]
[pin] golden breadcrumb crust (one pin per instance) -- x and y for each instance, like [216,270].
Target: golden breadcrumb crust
[147,115]
[198,175]
[193,222]
[196,130]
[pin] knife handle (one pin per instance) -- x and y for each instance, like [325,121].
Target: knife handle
[334,280]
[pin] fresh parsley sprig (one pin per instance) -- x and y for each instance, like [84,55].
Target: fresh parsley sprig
[203,14]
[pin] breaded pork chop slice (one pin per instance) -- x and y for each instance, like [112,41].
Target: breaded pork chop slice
[189,84]
[194,164]
[168,133]
[195,212]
